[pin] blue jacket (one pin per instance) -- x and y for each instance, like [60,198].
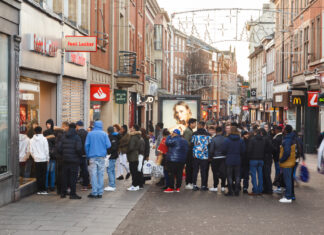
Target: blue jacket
[287,141]
[201,140]
[178,148]
[97,142]
[233,148]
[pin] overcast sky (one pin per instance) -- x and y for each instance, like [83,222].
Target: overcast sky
[242,47]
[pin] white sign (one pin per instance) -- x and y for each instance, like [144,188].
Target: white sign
[281,88]
[80,43]
[26,96]
[278,98]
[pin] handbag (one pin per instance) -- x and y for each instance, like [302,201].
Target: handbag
[304,173]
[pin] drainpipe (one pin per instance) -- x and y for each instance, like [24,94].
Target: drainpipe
[60,85]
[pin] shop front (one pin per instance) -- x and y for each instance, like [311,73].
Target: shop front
[99,96]
[9,104]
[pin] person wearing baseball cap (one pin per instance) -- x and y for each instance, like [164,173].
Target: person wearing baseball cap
[176,158]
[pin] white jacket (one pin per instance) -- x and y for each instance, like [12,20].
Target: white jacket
[320,155]
[24,147]
[39,148]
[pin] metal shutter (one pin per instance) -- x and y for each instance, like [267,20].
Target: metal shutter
[72,100]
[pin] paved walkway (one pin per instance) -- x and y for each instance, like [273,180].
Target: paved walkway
[49,214]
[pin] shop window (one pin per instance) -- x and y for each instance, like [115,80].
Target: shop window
[4,78]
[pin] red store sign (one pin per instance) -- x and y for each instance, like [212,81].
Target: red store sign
[42,45]
[245,108]
[313,98]
[76,58]
[99,92]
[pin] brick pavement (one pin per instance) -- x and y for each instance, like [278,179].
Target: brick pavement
[49,214]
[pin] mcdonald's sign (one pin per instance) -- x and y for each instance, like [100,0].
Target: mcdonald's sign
[297,100]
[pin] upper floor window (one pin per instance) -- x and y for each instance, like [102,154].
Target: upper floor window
[158,37]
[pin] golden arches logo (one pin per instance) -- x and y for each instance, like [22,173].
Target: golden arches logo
[297,100]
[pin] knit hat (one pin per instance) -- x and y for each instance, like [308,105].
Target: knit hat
[79,123]
[110,129]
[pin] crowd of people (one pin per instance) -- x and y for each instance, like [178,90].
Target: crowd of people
[234,152]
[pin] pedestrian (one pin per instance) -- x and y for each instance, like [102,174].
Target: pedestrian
[158,139]
[256,154]
[187,134]
[114,138]
[147,148]
[176,158]
[70,147]
[217,159]
[276,143]
[84,172]
[96,146]
[132,157]
[287,162]
[163,149]
[123,149]
[51,166]
[30,164]
[40,152]
[24,151]
[58,132]
[245,165]
[267,182]
[227,130]
[233,148]
[200,139]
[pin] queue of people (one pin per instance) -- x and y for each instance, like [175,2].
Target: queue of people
[234,153]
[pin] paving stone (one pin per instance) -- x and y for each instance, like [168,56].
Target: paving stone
[19,226]
[60,228]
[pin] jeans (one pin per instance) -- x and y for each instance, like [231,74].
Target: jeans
[41,175]
[233,171]
[218,168]
[97,171]
[189,168]
[111,173]
[245,175]
[28,167]
[202,165]
[175,170]
[267,177]
[256,167]
[70,177]
[50,173]
[287,174]
[136,176]
[84,172]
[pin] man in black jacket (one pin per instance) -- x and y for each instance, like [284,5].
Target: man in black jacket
[267,183]
[84,173]
[50,173]
[276,142]
[71,149]
[113,152]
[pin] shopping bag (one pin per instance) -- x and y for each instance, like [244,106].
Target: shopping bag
[304,173]
[147,168]
[107,161]
[157,171]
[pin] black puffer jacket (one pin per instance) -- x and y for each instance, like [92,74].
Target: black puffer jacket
[113,150]
[70,147]
[178,148]
[83,135]
[50,136]
[257,148]
[147,148]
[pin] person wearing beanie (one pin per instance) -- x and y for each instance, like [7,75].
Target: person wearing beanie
[122,150]
[50,173]
[70,147]
[113,155]
[84,173]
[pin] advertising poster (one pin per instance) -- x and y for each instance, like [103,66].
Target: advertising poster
[177,112]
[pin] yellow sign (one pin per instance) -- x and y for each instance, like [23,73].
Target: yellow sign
[297,101]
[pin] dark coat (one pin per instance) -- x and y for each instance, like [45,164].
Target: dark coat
[276,142]
[134,146]
[123,143]
[257,148]
[70,147]
[268,150]
[178,148]
[113,150]
[233,148]
[147,148]
[215,147]
[50,136]
[245,158]
[83,135]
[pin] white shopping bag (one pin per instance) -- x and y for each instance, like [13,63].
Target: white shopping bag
[107,160]
[157,171]
[147,168]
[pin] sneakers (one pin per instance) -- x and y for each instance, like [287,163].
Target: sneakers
[223,189]
[92,196]
[195,188]
[120,177]
[204,188]
[44,193]
[39,193]
[133,188]
[285,200]
[189,186]
[110,189]
[169,190]
[213,189]
[127,176]
[177,190]
[229,194]
[278,191]
[75,197]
